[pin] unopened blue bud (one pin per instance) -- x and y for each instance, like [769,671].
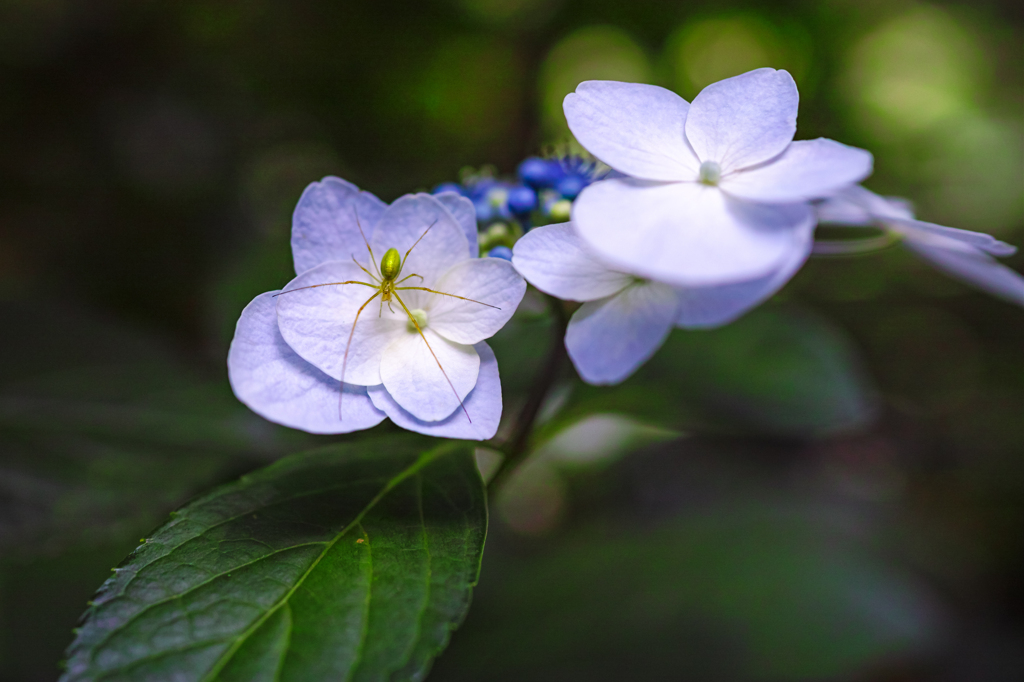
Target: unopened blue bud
[449,187]
[484,210]
[500,252]
[521,200]
[571,185]
[538,173]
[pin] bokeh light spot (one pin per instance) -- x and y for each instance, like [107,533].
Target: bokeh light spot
[703,52]
[591,53]
[915,71]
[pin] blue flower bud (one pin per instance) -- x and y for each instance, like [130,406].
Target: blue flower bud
[449,187]
[521,200]
[484,210]
[539,173]
[500,252]
[571,185]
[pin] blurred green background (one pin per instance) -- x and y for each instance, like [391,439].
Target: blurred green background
[832,488]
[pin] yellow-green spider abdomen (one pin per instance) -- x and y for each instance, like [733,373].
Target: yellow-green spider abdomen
[390,265]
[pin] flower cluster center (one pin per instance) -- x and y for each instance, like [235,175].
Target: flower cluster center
[420,315]
[710,173]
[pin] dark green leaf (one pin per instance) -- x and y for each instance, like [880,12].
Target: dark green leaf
[776,371]
[350,562]
[103,430]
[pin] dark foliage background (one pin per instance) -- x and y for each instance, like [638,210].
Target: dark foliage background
[849,500]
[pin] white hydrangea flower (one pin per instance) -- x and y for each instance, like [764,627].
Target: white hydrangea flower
[717,191]
[966,255]
[624,319]
[289,352]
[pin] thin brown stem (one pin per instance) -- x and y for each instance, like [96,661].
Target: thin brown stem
[516,447]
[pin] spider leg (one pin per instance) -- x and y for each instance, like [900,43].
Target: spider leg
[418,241]
[412,275]
[442,293]
[372,276]
[373,259]
[344,361]
[325,284]
[417,325]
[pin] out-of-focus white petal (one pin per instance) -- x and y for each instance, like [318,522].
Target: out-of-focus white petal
[324,223]
[462,209]
[634,128]
[687,233]
[489,280]
[855,205]
[975,268]
[609,339]
[808,169]
[275,383]
[555,259]
[483,405]
[706,307]
[411,374]
[940,236]
[407,221]
[316,323]
[743,120]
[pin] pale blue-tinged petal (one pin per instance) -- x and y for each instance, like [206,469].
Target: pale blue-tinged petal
[428,380]
[940,236]
[423,221]
[610,338]
[706,307]
[856,205]
[974,267]
[808,169]
[743,120]
[556,260]
[275,383]
[489,280]
[316,323]
[634,128]
[840,210]
[324,224]
[483,405]
[464,212]
[687,234]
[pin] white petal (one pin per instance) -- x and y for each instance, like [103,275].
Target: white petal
[324,223]
[316,323]
[840,210]
[687,233]
[275,383]
[411,374]
[976,268]
[556,260]
[609,339]
[743,120]
[462,209]
[808,169]
[876,205]
[634,128]
[406,222]
[706,307]
[940,236]
[483,405]
[489,280]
